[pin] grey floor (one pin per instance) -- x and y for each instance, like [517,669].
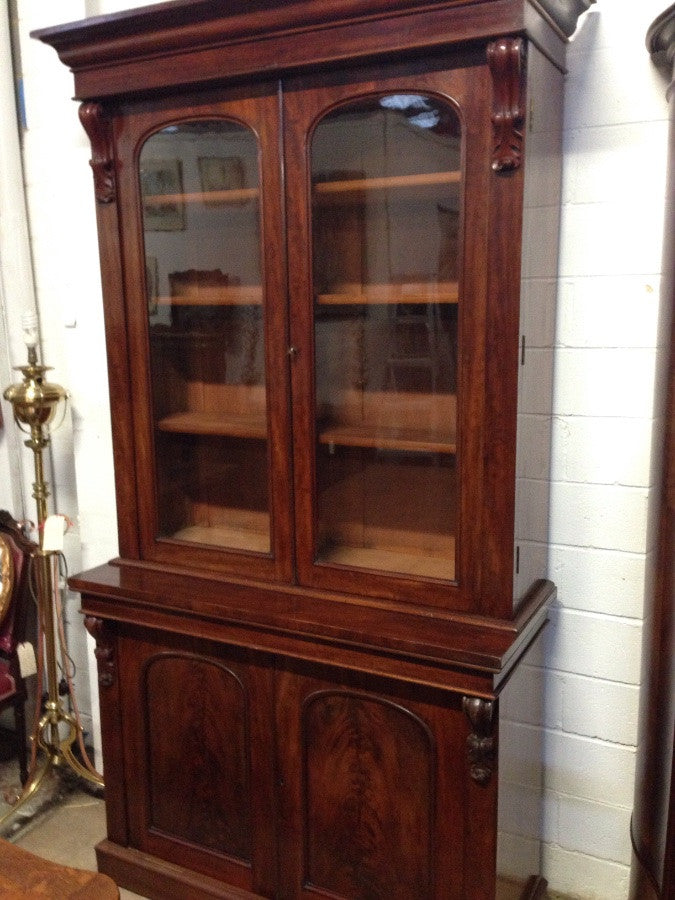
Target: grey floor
[67,833]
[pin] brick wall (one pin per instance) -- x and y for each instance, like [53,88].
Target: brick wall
[610,258]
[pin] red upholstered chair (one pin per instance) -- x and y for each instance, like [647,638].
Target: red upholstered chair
[17,618]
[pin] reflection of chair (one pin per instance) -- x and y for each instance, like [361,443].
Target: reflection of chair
[15,619]
[413,362]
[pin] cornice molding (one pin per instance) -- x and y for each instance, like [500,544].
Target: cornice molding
[186,42]
[172,16]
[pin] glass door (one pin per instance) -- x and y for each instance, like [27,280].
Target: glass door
[207,328]
[384,178]
[385,213]
[201,228]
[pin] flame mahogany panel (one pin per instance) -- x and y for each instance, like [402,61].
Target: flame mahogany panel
[199,783]
[369,776]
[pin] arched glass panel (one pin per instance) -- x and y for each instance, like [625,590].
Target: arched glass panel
[386,190]
[200,201]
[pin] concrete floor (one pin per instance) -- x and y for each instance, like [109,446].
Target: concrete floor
[68,832]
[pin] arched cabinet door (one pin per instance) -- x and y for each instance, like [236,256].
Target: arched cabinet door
[198,758]
[367,807]
[384,173]
[206,307]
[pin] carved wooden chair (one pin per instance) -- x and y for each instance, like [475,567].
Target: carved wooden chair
[17,624]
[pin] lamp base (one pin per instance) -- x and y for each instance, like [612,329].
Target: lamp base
[58,756]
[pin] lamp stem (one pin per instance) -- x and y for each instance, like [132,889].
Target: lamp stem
[37,443]
[46,612]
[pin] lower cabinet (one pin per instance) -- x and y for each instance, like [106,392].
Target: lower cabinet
[237,773]
[199,758]
[370,801]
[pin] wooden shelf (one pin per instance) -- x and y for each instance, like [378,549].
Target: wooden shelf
[249,531]
[409,439]
[230,295]
[409,292]
[334,191]
[238,195]
[193,336]
[402,562]
[208,423]
[391,519]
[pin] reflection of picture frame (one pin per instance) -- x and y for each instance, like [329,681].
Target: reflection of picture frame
[151,283]
[220,173]
[162,188]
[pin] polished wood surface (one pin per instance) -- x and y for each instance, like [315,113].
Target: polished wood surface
[369,783]
[23,874]
[653,821]
[335,30]
[271,616]
[300,673]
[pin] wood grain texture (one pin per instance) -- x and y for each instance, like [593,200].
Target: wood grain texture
[94,122]
[110,701]
[199,783]
[287,617]
[369,770]
[122,53]
[158,879]
[198,758]
[374,759]
[506,59]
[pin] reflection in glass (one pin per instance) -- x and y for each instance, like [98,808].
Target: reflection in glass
[386,204]
[199,189]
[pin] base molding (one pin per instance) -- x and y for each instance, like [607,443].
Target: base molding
[156,879]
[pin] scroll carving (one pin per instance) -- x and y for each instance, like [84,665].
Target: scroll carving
[480,743]
[104,652]
[98,131]
[506,62]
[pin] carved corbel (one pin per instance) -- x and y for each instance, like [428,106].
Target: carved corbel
[480,742]
[506,59]
[98,129]
[104,652]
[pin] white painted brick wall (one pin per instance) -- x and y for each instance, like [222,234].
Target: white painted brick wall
[615,156]
[613,193]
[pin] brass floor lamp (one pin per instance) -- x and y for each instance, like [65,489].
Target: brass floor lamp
[35,403]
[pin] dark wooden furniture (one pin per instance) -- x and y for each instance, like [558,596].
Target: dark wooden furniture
[17,624]
[653,821]
[23,874]
[328,237]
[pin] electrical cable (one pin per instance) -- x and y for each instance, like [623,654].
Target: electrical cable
[58,558]
[67,666]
